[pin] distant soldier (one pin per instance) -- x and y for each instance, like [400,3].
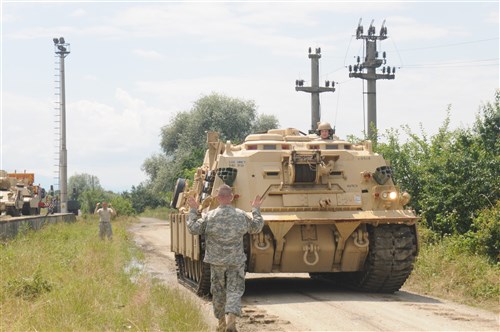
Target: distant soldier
[324,131]
[105,215]
[224,229]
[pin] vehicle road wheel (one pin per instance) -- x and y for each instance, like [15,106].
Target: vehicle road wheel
[178,189]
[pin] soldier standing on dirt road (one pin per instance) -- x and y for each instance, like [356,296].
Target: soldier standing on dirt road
[224,229]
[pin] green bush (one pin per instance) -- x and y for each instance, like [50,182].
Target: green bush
[452,175]
[122,206]
[487,235]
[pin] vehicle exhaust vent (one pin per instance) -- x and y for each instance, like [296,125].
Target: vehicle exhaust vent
[382,174]
[227,174]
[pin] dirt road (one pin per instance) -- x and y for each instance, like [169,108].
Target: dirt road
[294,302]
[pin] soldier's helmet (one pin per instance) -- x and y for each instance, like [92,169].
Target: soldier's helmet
[325,126]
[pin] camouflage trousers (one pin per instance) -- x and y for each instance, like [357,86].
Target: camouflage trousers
[227,287]
[105,230]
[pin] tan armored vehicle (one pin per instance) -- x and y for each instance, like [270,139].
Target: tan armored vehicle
[11,202]
[331,209]
[17,195]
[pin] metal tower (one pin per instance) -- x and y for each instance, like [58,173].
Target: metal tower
[367,71]
[314,89]
[61,49]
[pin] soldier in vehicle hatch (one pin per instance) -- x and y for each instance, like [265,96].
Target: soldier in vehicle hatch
[224,229]
[324,131]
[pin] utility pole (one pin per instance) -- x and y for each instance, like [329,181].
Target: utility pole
[367,71]
[61,49]
[314,89]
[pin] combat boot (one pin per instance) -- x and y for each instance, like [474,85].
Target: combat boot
[222,324]
[231,323]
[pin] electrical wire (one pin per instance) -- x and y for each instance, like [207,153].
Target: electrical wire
[347,51]
[456,64]
[448,45]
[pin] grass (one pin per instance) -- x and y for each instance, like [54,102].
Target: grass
[455,275]
[158,213]
[64,278]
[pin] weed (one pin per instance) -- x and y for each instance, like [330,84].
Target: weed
[30,287]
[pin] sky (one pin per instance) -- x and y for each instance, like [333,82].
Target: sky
[134,65]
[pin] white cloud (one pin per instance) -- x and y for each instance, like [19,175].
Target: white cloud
[78,13]
[28,134]
[148,54]
[90,77]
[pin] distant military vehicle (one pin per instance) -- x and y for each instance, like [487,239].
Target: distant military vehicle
[10,202]
[18,195]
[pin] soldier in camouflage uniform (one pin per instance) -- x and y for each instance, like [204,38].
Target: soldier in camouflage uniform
[224,229]
[105,214]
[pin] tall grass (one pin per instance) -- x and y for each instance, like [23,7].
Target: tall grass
[63,278]
[446,271]
[159,213]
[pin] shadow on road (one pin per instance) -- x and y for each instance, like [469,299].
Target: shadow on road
[282,290]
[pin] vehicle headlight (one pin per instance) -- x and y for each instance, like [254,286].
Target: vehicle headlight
[389,195]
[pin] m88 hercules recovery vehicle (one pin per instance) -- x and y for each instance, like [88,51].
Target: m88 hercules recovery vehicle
[331,209]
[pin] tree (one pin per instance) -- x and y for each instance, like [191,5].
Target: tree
[143,196]
[454,174]
[233,118]
[88,191]
[183,140]
[122,205]
[83,182]
[89,198]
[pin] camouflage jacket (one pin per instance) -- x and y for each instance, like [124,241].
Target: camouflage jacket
[224,229]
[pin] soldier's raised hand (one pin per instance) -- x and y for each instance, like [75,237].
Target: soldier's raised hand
[257,202]
[192,202]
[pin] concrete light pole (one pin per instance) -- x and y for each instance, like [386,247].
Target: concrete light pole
[314,89]
[370,64]
[61,49]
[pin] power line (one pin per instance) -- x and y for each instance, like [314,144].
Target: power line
[448,45]
[456,64]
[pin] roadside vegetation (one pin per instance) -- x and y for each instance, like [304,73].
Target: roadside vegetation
[454,178]
[63,278]
[158,213]
[446,269]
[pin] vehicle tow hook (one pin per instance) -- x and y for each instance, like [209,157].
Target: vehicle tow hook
[313,249]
